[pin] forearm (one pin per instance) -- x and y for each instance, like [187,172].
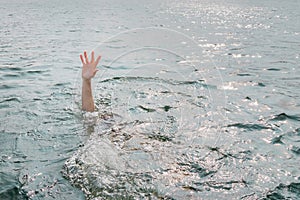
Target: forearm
[87,96]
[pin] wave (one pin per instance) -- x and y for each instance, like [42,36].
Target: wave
[285,191]
[249,127]
[284,116]
[156,79]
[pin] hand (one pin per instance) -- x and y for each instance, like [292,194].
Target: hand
[89,69]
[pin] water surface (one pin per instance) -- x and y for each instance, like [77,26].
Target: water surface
[196,100]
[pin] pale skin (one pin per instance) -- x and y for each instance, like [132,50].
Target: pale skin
[89,70]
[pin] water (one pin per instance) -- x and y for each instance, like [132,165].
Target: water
[196,100]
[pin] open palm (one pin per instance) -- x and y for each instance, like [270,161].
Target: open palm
[89,69]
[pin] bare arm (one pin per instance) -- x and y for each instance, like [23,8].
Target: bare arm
[89,70]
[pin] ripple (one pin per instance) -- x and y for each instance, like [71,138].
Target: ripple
[273,69]
[250,127]
[296,150]
[284,116]
[285,191]
[16,99]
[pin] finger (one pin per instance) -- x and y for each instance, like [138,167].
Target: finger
[98,59]
[93,56]
[82,60]
[86,57]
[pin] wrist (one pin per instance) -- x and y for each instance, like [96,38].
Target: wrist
[88,80]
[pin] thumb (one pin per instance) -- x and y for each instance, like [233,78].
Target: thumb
[95,72]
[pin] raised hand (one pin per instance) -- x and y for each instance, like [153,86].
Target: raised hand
[89,69]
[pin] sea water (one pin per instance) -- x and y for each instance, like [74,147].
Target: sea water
[195,100]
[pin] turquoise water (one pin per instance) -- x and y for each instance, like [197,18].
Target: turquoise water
[196,100]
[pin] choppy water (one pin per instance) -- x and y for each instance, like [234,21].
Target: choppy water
[196,100]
